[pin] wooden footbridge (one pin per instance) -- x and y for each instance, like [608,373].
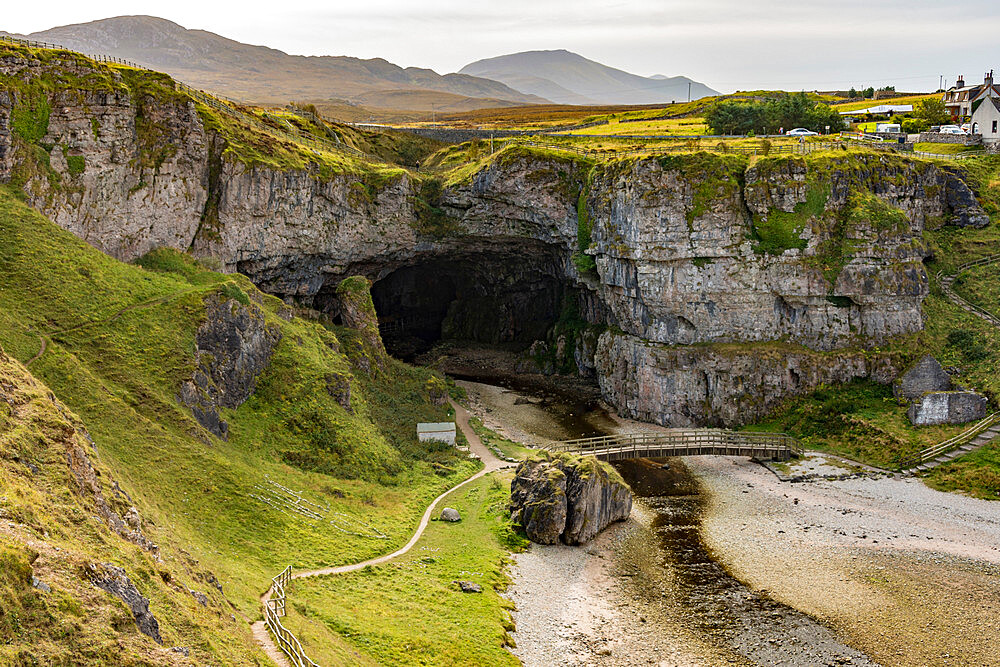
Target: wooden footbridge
[684,442]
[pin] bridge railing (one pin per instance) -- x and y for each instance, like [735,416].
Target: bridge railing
[679,440]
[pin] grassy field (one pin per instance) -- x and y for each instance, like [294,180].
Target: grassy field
[980,285]
[495,441]
[944,149]
[675,126]
[119,371]
[411,611]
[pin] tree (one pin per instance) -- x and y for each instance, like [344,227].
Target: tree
[932,111]
[788,111]
[852,93]
[869,93]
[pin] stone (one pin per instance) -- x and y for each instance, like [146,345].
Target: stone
[233,347]
[40,585]
[114,580]
[339,387]
[925,375]
[183,650]
[567,498]
[947,407]
[469,587]
[132,519]
[450,514]
[200,597]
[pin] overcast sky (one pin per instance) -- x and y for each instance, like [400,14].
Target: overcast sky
[727,44]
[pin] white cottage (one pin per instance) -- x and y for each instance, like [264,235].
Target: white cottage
[986,119]
[439,432]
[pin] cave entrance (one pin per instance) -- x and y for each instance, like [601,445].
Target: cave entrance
[505,299]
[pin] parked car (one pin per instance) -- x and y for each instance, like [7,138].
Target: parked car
[801,132]
[952,129]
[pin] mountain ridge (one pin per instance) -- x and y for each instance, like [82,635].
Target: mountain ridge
[550,73]
[263,74]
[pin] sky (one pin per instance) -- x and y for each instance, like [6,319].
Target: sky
[726,44]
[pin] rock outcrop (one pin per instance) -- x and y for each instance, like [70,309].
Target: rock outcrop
[824,252]
[114,580]
[719,385]
[947,407]
[567,498]
[234,346]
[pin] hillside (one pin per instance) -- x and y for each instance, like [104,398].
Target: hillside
[261,74]
[328,417]
[568,78]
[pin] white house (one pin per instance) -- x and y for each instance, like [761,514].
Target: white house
[440,432]
[958,100]
[986,119]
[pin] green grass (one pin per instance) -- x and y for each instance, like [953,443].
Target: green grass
[943,149]
[408,611]
[864,104]
[860,420]
[495,441]
[980,285]
[781,230]
[977,474]
[122,339]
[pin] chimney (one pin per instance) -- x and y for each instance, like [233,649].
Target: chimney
[988,79]
[961,81]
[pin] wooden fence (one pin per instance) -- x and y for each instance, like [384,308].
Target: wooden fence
[937,450]
[274,609]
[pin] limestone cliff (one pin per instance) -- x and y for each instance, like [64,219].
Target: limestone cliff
[823,252]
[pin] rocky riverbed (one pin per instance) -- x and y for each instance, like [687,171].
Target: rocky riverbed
[734,567]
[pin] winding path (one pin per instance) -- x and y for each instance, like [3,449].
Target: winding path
[491,464]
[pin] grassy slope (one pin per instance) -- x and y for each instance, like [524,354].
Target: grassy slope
[120,375]
[50,531]
[419,616]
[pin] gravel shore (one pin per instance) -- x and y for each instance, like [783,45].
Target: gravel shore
[906,575]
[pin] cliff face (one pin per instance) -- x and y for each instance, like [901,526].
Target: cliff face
[823,252]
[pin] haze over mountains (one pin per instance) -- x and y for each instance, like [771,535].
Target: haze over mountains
[260,74]
[569,78]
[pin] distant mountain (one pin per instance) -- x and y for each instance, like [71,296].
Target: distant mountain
[261,74]
[569,78]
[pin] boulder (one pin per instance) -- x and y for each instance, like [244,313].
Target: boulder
[469,587]
[561,497]
[923,376]
[947,407]
[450,514]
[114,580]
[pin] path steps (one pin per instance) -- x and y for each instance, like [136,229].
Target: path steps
[984,438]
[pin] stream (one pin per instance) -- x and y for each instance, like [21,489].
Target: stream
[666,562]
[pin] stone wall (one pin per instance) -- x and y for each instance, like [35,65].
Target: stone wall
[948,407]
[964,139]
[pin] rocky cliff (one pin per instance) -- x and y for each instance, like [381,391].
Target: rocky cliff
[668,254]
[560,497]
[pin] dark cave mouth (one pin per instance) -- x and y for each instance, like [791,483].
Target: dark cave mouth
[507,300]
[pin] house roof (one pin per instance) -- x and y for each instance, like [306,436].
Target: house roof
[436,427]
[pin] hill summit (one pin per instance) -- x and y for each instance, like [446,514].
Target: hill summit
[569,78]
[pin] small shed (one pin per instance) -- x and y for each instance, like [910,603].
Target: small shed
[436,431]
